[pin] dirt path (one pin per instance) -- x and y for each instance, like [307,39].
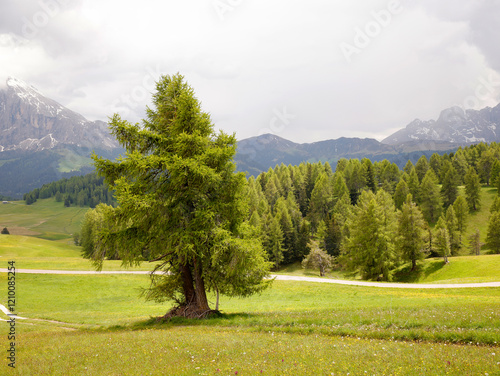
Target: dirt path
[289,278]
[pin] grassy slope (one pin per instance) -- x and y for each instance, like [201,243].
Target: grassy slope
[46,218]
[35,253]
[293,328]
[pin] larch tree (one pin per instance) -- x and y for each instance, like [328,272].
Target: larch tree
[430,198]
[449,188]
[462,213]
[421,167]
[411,232]
[472,189]
[401,194]
[442,240]
[181,203]
[475,243]
[493,235]
[370,246]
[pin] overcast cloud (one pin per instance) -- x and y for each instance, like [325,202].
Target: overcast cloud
[304,70]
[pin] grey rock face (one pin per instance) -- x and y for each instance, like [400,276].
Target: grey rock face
[31,121]
[453,125]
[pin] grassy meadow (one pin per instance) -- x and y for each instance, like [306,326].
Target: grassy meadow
[98,324]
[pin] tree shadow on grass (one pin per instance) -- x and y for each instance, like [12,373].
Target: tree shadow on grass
[407,276]
[221,319]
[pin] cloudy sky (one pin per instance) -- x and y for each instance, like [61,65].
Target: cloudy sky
[303,70]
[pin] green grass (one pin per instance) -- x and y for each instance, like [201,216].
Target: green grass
[71,161]
[480,218]
[460,269]
[46,218]
[292,328]
[97,324]
[211,351]
[35,253]
[461,315]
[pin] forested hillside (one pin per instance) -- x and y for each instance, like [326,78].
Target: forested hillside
[88,190]
[373,216]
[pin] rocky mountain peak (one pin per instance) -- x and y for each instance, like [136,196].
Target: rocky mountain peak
[31,121]
[453,125]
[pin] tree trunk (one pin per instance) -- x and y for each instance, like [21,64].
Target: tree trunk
[217,301]
[413,265]
[201,294]
[187,283]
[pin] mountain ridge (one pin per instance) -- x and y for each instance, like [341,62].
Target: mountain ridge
[31,121]
[455,125]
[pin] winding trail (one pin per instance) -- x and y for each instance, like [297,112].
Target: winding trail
[286,278]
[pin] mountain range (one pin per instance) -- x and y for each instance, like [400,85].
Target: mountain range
[42,141]
[453,125]
[32,122]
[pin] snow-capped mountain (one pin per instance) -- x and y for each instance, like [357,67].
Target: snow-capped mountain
[31,121]
[453,125]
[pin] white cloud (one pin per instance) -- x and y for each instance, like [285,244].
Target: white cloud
[97,57]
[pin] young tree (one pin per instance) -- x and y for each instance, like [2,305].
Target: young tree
[475,243]
[442,240]
[430,199]
[401,194]
[449,188]
[421,167]
[472,189]
[5,231]
[181,201]
[493,235]
[411,232]
[453,231]
[462,213]
[318,259]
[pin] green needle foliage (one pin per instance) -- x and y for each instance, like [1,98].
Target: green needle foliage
[370,247]
[411,232]
[181,203]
